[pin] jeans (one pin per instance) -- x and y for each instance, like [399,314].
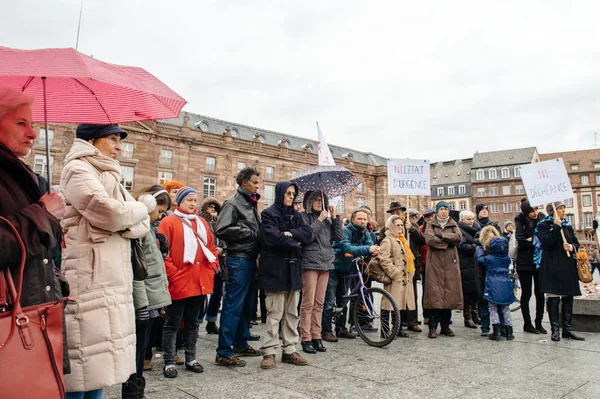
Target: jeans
[95,394]
[187,309]
[484,315]
[237,303]
[214,303]
[337,288]
[440,316]
[527,279]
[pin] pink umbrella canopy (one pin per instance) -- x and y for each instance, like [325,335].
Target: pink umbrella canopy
[81,89]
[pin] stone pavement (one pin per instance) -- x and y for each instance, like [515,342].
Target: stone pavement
[466,366]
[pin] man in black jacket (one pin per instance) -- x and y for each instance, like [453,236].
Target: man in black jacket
[283,232]
[238,225]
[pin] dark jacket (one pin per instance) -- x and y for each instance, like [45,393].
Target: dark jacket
[238,225]
[279,266]
[355,242]
[498,287]
[524,229]
[468,267]
[481,223]
[40,231]
[558,272]
[417,240]
[318,253]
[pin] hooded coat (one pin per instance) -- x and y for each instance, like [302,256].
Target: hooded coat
[279,267]
[524,232]
[485,236]
[100,220]
[469,272]
[443,286]
[393,262]
[494,257]
[318,253]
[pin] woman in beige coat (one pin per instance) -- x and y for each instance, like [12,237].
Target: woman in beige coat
[100,220]
[394,261]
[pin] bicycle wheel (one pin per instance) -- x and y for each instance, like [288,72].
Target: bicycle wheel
[375,326]
[516,305]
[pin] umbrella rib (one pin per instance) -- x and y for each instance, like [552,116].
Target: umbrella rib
[95,98]
[26,85]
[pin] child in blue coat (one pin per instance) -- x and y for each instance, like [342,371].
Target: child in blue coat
[498,286]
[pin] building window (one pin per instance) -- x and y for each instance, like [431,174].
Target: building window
[507,208]
[210,187]
[462,189]
[164,177]
[462,205]
[493,191]
[451,205]
[269,173]
[440,191]
[493,174]
[211,163]
[518,207]
[360,201]
[505,190]
[585,179]
[494,208]
[519,189]
[481,192]
[587,200]
[341,205]
[505,173]
[269,194]
[166,157]
[517,171]
[480,174]
[571,219]
[588,220]
[597,179]
[574,166]
[360,187]
[39,164]
[127,150]
[42,137]
[127,173]
[450,190]
[241,165]
[569,203]
[596,165]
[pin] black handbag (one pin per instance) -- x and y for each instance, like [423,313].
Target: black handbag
[138,261]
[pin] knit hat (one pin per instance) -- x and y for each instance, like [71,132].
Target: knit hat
[507,223]
[440,205]
[184,192]
[479,208]
[88,132]
[526,207]
[550,209]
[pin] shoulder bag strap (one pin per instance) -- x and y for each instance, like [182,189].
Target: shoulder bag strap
[188,224]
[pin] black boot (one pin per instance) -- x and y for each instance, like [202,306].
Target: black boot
[527,326]
[538,324]
[509,333]
[467,315]
[567,315]
[307,347]
[401,333]
[553,315]
[475,314]
[495,335]
[131,388]
[141,392]
[318,345]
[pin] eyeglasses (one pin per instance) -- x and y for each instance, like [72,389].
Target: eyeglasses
[290,194]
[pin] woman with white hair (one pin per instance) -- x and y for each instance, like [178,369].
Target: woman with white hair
[468,268]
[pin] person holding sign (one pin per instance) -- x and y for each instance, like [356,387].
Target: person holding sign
[558,268]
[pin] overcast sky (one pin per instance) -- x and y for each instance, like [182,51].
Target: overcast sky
[437,80]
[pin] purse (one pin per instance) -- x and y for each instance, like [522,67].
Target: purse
[33,357]
[138,260]
[584,271]
[374,271]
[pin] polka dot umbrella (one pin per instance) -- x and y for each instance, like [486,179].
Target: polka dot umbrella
[332,180]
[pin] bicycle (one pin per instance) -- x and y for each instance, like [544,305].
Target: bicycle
[365,302]
[514,278]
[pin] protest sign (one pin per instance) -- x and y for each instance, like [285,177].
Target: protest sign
[408,177]
[546,182]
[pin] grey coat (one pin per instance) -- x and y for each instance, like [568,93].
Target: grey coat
[318,255]
[152,292]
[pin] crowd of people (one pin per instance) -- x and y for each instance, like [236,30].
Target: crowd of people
[86,241]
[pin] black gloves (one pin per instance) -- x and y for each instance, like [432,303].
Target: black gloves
[162,243]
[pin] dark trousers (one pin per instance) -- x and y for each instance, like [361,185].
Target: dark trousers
[188,310]
[155,336]
[142,335]
[237,305]
[425,311]
[214,302]
[440,316]
[527,280]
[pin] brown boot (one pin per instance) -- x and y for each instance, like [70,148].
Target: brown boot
[329,337]
[147,365]
[268,362]
[178,360]
[295,358]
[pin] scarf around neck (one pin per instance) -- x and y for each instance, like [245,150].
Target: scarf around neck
[191,240]
[442,222]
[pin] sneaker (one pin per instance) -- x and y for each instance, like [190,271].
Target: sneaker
[170,371]
[485,333]
[447,332]
[268,362]
[295,358]
[247,351]
[147,365]
[329,337]
[230,361]
[347,334]
[178,360]
[195,367]
[432,334]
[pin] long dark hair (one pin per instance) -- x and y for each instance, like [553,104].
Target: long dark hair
[161,199]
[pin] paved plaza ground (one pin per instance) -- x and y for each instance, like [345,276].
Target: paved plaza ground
[466,366]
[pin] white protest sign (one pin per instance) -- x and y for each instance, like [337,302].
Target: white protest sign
[408,177]
[546,182]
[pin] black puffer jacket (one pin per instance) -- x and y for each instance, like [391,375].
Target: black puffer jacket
[469,272]
[238,225]
[318,254]
[279,266]
[524,231]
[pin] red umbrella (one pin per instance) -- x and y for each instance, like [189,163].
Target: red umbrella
[72,87]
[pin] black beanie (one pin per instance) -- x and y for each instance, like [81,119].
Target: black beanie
[526,208]
[88,132]
[479,208]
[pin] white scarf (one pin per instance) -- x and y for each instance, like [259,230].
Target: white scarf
[190,243]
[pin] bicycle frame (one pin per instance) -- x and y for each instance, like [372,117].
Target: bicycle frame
[361,286]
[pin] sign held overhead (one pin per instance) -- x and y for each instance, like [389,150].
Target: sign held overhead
[409,177]
[546,181]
